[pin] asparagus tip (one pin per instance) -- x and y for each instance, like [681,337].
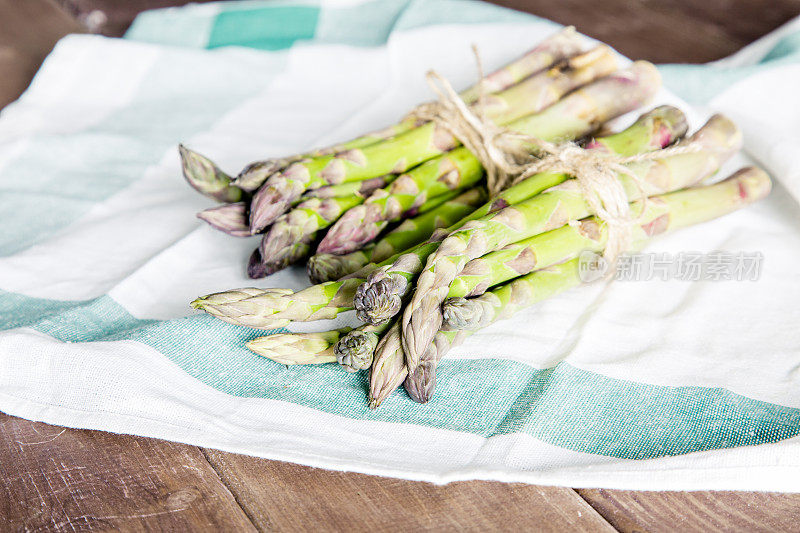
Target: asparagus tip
[380,297]
[256,268]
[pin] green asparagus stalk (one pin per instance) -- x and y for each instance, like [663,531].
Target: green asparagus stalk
[564,44]
[406,151]
[328,267]
[684,208]
[415,230]
[299,348]
[458,168]
[717,140]
[680,209]
[276,308]
[206,178]
[658,215]
[382,296]
[228,218]
[559,46]
[290,236]
[358,188]
[356,349]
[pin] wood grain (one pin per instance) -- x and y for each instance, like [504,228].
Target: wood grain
[292,497]
[28,31]
[58,479]
[696,511]
[71,480]
[664,31]
[667,31]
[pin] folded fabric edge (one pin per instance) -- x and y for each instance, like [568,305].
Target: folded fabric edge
[776,477]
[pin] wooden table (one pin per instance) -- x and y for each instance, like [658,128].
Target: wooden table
[62,479]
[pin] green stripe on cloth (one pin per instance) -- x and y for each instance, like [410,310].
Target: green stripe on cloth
[275,28]
[278,25]
[564,406]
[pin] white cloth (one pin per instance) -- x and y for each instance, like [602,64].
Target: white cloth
[637,385]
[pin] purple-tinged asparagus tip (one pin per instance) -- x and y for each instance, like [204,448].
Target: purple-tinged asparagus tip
[266,206]
[421,385]
[206,178]
[356,349]
[255,174]
[357,227]
[228,218]
[459,313]
[325,267]
[256,268]
[380,297]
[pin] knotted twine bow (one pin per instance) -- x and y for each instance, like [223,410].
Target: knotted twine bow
[508,158]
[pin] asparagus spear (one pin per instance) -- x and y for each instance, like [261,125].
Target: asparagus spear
[356,349]
[359,188]
[327,267]
[421,384]
[290,237]
[718,139]
[405,151]
[299,348]
[553,49]
[388,367]
[415,230]
[680,209]
[206,178]
[658,215]
[683,208]
[458,168]
[228,218]
[275,308]
[382,296]
[330,267]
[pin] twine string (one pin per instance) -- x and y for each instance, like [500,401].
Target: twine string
[509,157]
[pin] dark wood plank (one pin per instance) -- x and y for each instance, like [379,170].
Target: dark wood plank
[113,17]
[28,31]
[658,30]
[57,479]
[667,31]
[287,496]
[696,511]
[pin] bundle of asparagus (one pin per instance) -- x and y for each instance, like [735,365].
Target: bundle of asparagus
[406,233]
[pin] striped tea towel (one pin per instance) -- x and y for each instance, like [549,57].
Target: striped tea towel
[641,385]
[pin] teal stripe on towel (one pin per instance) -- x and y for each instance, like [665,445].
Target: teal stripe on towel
[564,406]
